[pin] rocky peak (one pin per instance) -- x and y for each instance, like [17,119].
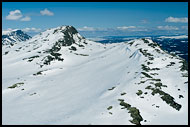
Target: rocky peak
[14,36]
[70,36]
[66,29]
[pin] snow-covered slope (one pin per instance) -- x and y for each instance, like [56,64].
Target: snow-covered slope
[12,36]
[59,77]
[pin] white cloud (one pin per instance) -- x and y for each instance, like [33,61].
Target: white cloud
[126,27]
[31,29]
[132,28]
[139,29]
[26,18]
[144,21]
[14,15]
[35,30]
[17,15]
[184,27]
[7,31]
[176,20]
[123,28]
[46,12]
[86,28]
[167,27]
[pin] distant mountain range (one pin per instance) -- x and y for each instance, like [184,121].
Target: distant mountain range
[13,36]
[60,77]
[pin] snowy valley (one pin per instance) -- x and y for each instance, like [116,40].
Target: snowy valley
[59,77]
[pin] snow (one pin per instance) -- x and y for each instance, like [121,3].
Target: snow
[6,32]
[13,36]
[75,91]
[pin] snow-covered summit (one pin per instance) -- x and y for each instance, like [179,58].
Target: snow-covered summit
[8,31]
[12,36]
[50,43]
[59,77]
[65,35]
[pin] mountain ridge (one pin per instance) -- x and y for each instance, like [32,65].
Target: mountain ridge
[10,37]
[123,83]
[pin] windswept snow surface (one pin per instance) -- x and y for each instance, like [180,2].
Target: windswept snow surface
[78,90]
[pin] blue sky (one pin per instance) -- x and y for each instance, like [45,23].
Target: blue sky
[98,17]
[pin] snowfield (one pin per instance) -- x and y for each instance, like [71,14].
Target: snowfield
[133,82]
